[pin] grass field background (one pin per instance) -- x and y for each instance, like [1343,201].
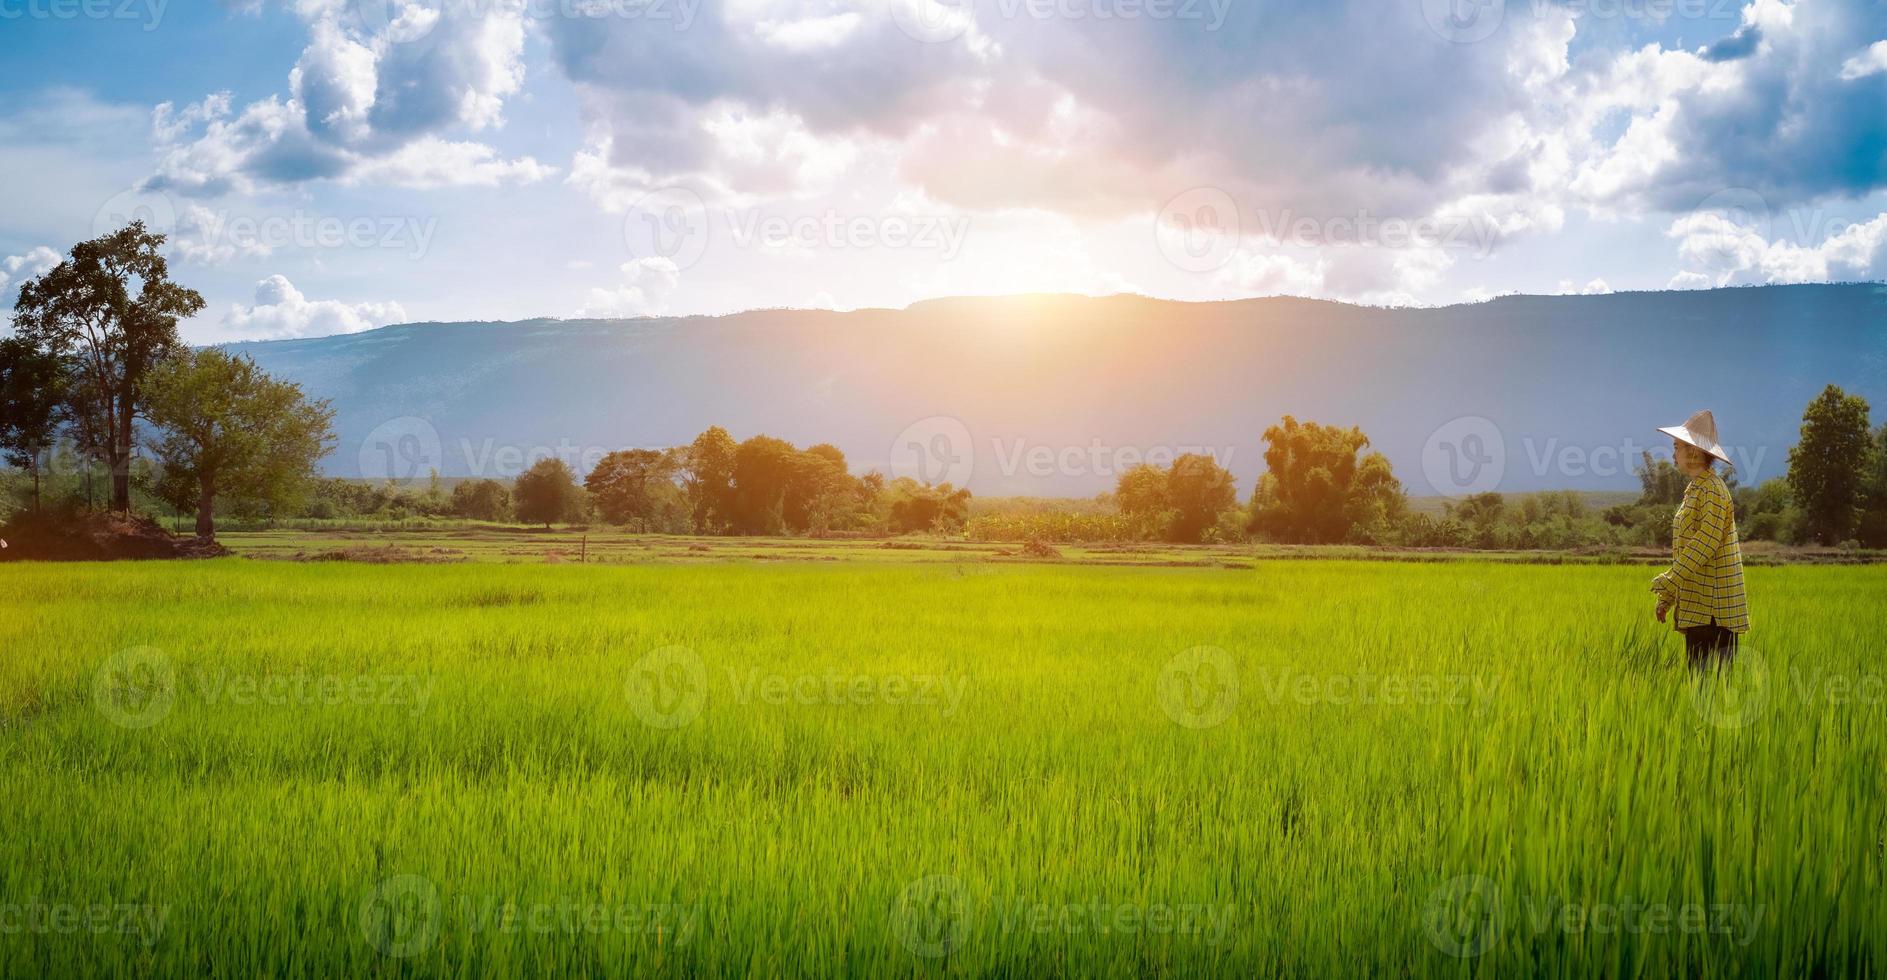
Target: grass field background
[1295,768]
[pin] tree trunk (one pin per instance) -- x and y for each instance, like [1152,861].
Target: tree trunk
[121,463]
[36,483]
[206,509]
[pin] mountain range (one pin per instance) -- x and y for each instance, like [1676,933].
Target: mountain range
[1055,395]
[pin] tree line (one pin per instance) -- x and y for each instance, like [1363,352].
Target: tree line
[714,485]
[95,362]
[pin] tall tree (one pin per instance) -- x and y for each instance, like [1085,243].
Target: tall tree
[481,500]
[1140,493]
[636,487]
[821,494]
[228,428]
[1198,490]
[32,394]
[709,480]
[1873,529]
[110,312]
[547,493]
[1316,489]
[1826,466]
[763,469]
[1663,483]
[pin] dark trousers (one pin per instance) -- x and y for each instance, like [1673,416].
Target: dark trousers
[1709,646]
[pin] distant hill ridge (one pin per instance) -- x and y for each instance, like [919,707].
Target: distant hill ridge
[1053,395]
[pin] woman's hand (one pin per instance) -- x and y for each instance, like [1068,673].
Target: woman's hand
[1664,607]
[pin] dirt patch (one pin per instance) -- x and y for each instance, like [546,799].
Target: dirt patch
[385,554]
[97,536]
[1037,548]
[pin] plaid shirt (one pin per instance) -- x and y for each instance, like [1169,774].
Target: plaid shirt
[1706,577]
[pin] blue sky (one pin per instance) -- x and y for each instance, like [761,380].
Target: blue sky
[327,166]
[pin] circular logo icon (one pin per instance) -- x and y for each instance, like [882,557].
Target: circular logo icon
[932,21]
[1466,455]
[399,21]
[1735,694]
[1740,207]
[402,916]
[671,222]
[668,687]
[934,450]
[1463,916]
[155,208]
[403,450]
[1198,688]
[135,687]
[1464,21]
[1198,229]
[932,916]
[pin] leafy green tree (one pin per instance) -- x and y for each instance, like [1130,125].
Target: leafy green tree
[763,468]
[108,312]
[636,487]
[1198,490]
[32,391]
[1662,482]
[547,493]
[1317,490]
[821,495]
[228,428]
[1873,529]
[1767,512]
[916,506]
[481,500]
[1826,465]
[1140,494]
[708,480]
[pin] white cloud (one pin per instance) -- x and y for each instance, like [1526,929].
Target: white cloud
[646,284]
[1270,274]
[367,101]
[430,162]
[1724,252]
[16,269]
[280,311]
[200,238]
[1872,61]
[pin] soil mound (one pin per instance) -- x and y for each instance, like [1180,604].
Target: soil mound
[96,536]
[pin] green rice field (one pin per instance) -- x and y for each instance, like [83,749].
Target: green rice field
[816,767]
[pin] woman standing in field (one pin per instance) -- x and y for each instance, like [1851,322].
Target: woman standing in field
[1705,582]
